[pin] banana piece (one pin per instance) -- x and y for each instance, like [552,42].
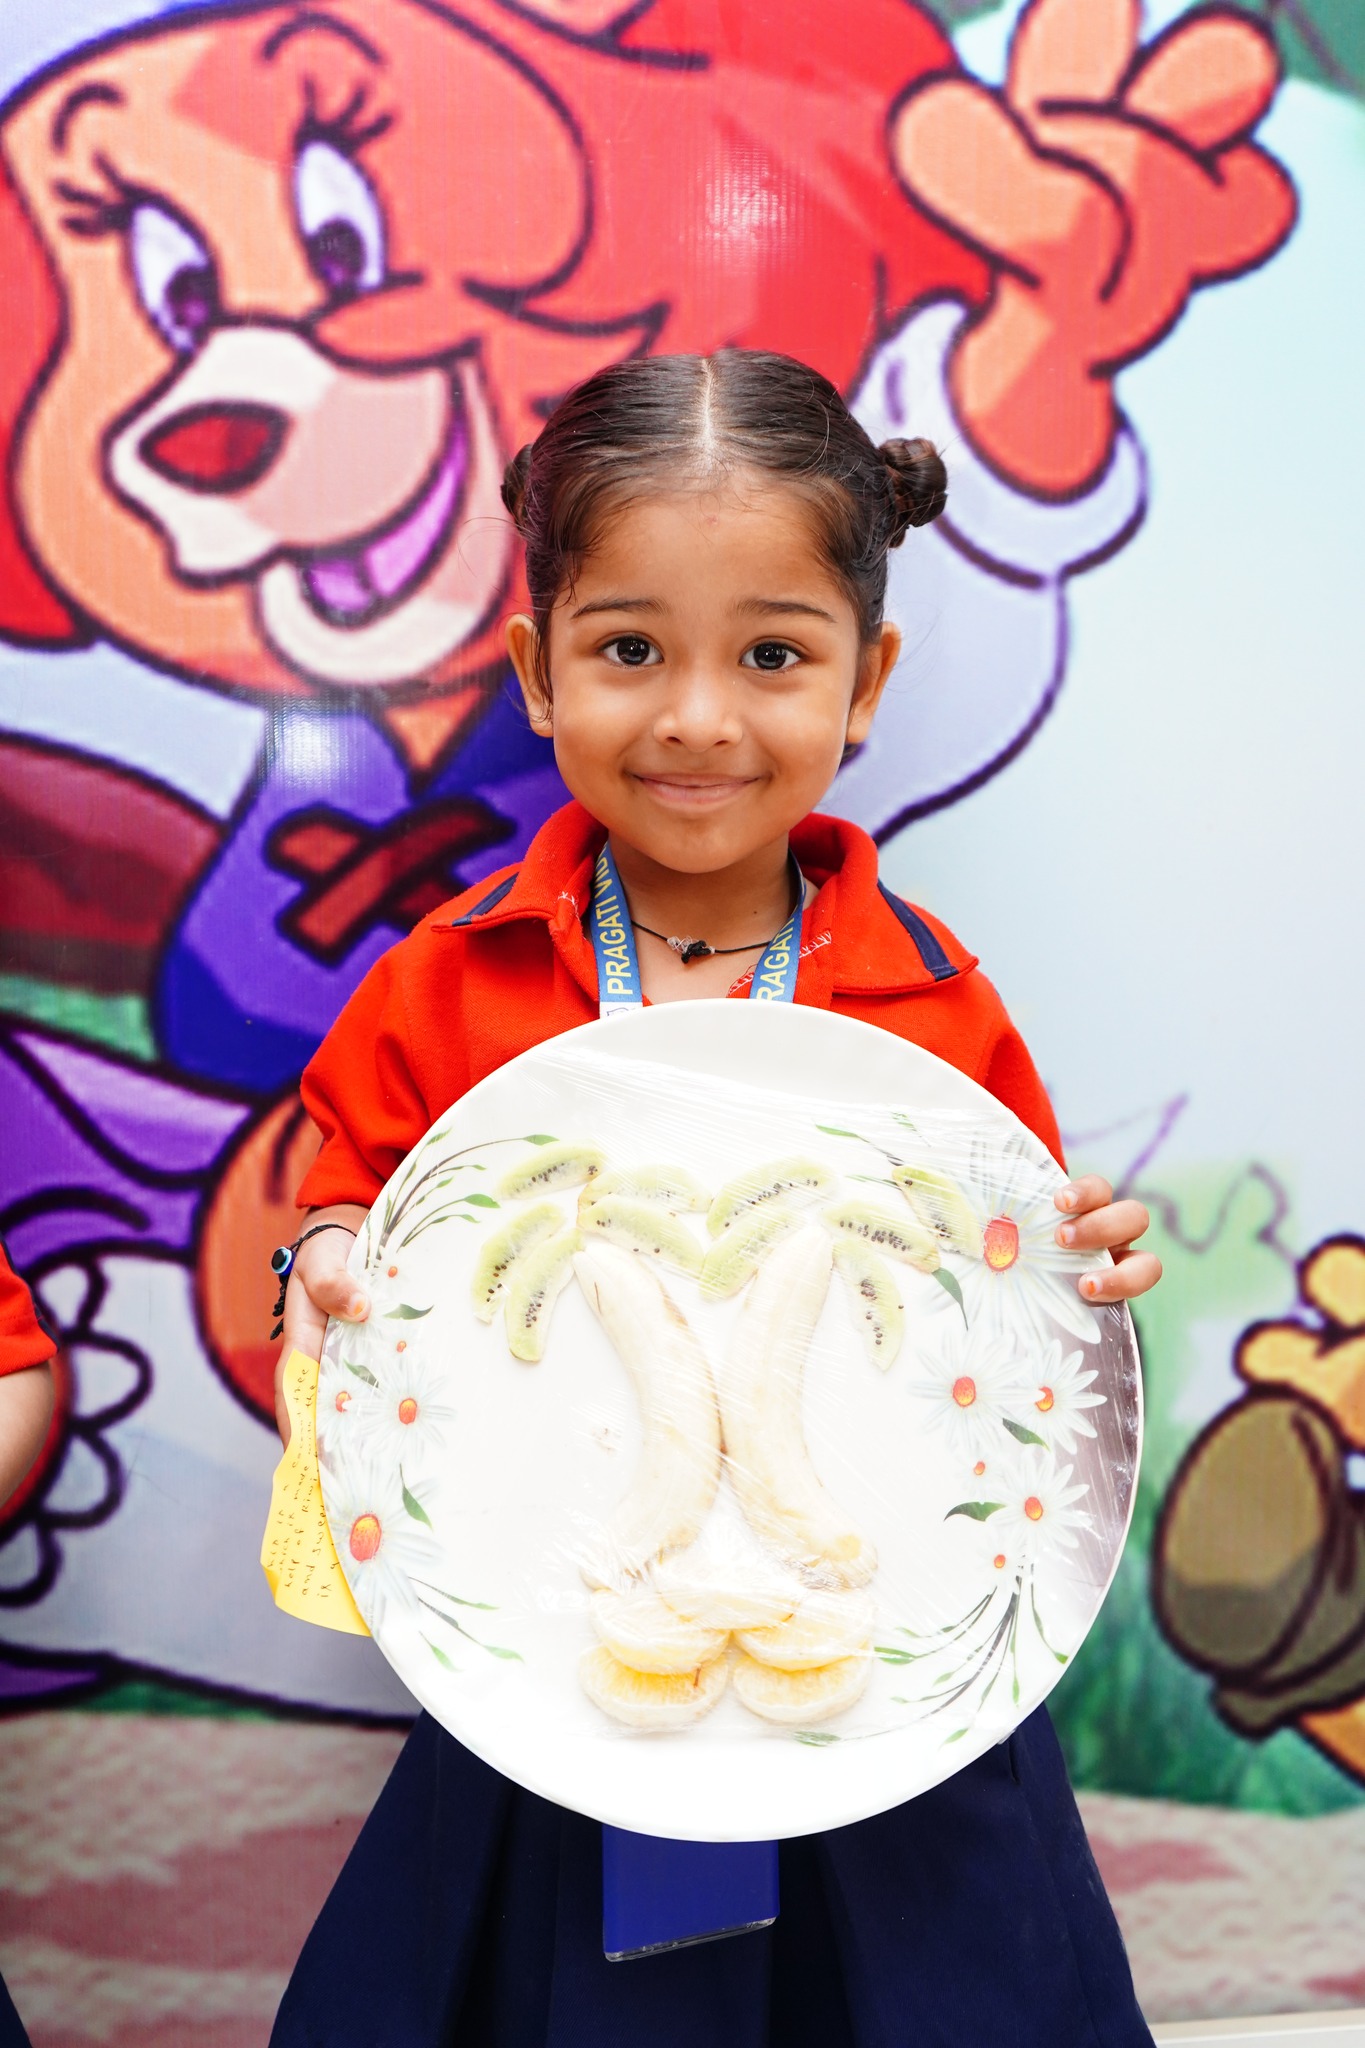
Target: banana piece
[667,1187]
[536,1285]
[636,1227]
[825,1628]
[800,1697]
[503,1251]
[645,1633]
[897,1236]
[710,1595]
[737,1256]
[941,1207]
[780,1180]
[760,1405]
[651,1700]
[873,1298]
[550,1167]
[679,1470]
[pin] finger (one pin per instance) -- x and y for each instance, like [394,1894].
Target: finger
[282,1422]
[1071,50]
[1247,213]
[968,162]
[1086,1191]
[333,1289]
[1209,80]
[1109,1229]
[1131,1274]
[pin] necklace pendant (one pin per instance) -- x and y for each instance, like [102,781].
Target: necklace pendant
[689,950]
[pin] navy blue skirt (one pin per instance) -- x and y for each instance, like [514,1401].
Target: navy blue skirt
[12,2033]
[469,1915]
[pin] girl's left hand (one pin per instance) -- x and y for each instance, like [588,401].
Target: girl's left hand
[1096,1222]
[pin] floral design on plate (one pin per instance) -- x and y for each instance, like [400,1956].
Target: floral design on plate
[974,1387]
[1059,1402]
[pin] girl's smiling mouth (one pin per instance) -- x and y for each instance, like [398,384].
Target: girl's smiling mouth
[694,792]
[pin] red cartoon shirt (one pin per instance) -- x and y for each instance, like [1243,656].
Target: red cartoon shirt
[23,1340]
[509,964]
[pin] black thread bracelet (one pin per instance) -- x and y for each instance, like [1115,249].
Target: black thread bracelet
[282,1265]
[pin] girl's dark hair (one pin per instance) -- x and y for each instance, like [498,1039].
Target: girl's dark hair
[660,423]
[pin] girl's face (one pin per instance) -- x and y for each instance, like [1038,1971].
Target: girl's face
[706,675]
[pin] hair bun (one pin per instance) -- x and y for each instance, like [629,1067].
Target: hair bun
[919,484]
[516,477]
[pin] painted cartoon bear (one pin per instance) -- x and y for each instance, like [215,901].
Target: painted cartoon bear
[285,287]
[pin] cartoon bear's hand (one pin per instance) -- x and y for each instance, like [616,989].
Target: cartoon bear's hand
[1104,182]
[1325,1363]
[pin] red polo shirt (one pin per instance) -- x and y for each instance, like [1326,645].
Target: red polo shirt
[509,964]
[23,1340]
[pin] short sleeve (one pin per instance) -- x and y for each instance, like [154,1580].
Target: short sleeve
[362,1093]
[23,1340]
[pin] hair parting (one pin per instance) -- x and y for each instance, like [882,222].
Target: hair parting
[664,423]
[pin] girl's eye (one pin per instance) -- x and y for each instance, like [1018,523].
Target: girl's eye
[772,656]
[175,276]
[340,220]
[632,650]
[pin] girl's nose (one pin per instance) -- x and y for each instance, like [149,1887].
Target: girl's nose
[699,711]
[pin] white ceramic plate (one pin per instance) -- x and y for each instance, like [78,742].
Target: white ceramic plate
[979,1484]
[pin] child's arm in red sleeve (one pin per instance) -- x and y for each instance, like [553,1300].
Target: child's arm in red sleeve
[362,1093]
[1010,1075]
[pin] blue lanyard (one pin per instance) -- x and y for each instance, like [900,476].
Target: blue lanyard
[618,964]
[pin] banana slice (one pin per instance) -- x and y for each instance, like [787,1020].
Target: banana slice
[897,1236]
[679,1470]
[548,1168]
[800,1697]
[825,1628]
[941,1207]
[536,1285]
[760,1390]
[502,1252]
[652,1700]
[644,1632]
[667,1187]
[636,1227]
[737,1256]
[780,1180]
[873,1298]
[711,1595]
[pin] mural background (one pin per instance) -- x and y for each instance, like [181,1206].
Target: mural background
[181,1769]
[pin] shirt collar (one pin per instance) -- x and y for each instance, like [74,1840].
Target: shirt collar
[853,939]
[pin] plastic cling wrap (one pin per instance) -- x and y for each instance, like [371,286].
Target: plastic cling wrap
[729,1451]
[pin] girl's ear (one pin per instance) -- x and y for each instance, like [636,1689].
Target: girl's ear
[523,647]
[874,672]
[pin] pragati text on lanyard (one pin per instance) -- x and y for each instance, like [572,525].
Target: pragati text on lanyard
[618,964]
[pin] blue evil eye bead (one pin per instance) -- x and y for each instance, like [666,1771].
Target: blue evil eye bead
[281,1260]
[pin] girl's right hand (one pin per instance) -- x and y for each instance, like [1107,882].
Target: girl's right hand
[319,1286]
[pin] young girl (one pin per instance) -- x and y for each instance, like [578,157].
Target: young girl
[706,544]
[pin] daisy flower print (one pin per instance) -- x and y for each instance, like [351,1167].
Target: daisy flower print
[1057,1412]
[405,1414]
[1002,1221]
[972,1389]
[1039,1513]
[381,1532]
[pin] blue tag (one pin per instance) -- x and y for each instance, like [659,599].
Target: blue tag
[618,964]
[659,1894]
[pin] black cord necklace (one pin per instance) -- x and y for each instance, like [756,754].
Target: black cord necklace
[689,950]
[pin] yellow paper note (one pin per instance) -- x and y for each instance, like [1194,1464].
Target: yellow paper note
[297,1554]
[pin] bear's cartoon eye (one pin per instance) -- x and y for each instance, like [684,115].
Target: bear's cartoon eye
[175,275]
[340,220]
